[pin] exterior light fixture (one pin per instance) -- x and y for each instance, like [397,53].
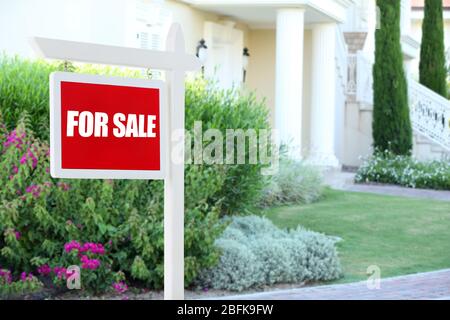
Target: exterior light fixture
[245,60]
[202,53]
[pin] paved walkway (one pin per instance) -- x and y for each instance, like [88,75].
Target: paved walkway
[344,181]
[423,286]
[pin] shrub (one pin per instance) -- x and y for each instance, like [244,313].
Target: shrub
[295,183]
[391,124]
[127,214]
[265,255]
[432,52]
[26,284]
[385,167]
[39,215]
[224,110]
[24,87]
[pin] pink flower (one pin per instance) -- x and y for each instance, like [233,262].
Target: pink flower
[120,287]
[17,234]
[35,190]
[60,272]
[15,169]
[44,270]
[23,160]
[95,248]
[6,275]
[23,276]
[13,139]
[91,264]
[72,245]
[63,186]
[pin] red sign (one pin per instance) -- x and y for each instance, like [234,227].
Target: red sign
[104,127]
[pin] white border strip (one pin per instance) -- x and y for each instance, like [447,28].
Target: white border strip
[56,169]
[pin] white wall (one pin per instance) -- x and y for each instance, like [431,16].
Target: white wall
[80,20]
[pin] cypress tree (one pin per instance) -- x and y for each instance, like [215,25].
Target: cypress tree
[391,123]
[432,53]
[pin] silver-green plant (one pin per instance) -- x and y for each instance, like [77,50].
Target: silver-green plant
[255,253]
[295,183]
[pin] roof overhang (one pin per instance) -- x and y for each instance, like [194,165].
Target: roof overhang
[262,13]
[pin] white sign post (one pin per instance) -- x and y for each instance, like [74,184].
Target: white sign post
[176,62]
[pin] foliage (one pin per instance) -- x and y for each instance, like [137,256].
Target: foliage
[385,167]
[24,87]
[295,183]
[432,53]
[27,284]
[391,123]
[224,110]
[256,253]
[39,215]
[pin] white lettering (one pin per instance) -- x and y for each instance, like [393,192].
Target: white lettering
[71,122]
[101,124]
[119,130]
[86,124]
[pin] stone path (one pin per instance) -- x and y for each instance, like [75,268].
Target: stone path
[423,286]
[344,181]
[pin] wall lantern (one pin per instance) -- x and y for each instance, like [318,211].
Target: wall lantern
[245,60]
[202,53]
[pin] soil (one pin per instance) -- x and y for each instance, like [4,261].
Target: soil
[140,294]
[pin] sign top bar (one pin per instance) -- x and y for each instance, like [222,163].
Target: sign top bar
[176,59]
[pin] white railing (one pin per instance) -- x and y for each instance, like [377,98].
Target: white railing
[430,113]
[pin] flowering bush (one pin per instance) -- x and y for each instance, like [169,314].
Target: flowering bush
[104,227]
[27,283]
[39,215]
[385,167]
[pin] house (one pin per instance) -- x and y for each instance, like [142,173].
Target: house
[310,59]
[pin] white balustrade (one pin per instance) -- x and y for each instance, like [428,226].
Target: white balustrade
[430,113]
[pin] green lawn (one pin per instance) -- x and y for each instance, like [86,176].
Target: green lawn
[400,235]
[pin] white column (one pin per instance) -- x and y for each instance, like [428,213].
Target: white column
[323,96]
[289,78]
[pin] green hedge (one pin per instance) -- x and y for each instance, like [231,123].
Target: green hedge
[433,73]
[391,124]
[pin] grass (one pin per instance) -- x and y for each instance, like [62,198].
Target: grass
[400,235]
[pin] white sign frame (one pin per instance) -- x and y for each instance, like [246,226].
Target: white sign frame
[56,169]
[176,62]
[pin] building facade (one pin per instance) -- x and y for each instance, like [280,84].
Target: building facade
[311,60]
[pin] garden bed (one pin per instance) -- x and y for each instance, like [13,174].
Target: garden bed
[387,168]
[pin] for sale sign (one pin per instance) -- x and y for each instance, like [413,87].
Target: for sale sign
[107,127]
